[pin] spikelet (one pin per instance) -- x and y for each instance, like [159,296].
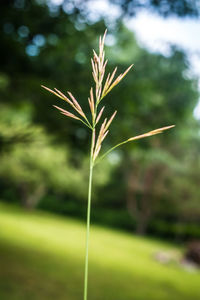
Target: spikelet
[96,152]
[76,105]
[110,121]
[112,76]
[53,92]
[117,80]
[100,114]
[73,103]
[150,133]
[104,136]
[64,96]
[66,113]
[98,67]
[91,103]
[101,133]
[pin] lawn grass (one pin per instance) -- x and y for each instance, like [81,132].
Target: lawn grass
[42,257]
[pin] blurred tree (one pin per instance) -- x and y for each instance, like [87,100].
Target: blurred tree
[36,164]
[44,43]
[185,183]
[157,93]
[147,184]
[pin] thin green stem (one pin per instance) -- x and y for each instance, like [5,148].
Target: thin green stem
[110,150]
[88,221]
[88,125]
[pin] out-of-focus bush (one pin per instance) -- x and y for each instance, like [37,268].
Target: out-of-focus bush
[32,162]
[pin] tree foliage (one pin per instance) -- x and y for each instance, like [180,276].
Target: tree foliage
[43,153]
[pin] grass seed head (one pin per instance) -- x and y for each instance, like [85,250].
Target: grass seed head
[101,90]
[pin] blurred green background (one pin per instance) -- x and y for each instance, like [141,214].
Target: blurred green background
[146,196]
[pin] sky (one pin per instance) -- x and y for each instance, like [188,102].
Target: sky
[156,34]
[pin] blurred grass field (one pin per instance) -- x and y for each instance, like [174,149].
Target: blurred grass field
[42,257]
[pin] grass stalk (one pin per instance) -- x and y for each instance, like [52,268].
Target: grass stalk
[102,88]
[88,220]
